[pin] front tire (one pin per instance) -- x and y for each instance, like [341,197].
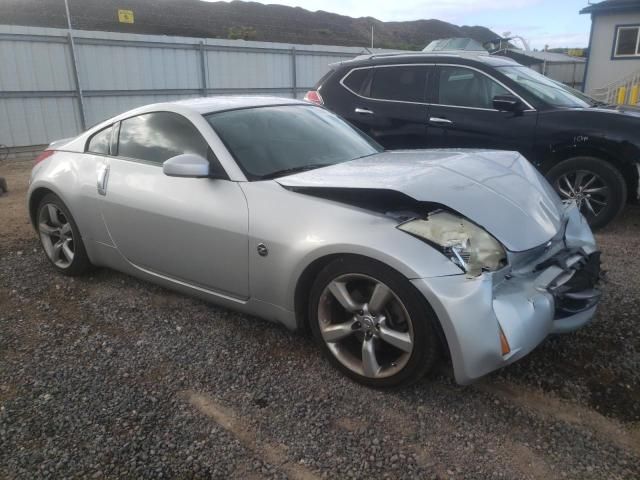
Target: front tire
[372,324]
[597,186]
[60,237]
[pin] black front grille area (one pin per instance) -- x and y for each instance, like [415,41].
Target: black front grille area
[580,292]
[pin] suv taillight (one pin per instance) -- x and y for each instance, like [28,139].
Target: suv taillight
[42,156]
[313,96]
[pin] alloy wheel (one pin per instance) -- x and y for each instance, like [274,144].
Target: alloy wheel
[586,189]
[365,325]
[56,235]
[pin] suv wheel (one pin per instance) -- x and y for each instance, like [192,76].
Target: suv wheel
[597,186]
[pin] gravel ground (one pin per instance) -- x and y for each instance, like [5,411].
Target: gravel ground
[105,376]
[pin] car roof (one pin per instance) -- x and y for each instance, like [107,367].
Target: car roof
[193,109]
[456,56]
[205,105]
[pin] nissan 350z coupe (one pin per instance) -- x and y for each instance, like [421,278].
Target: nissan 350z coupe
[280,209]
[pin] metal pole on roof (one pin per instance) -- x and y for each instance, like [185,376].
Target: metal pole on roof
[203,69]
[74,62]
[294,73]
[371,36]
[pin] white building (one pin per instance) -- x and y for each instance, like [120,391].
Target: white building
[613,67]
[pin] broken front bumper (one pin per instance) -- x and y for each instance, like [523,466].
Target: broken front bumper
[556,292]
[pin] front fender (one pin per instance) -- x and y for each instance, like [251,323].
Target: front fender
[299,229]
[610,135]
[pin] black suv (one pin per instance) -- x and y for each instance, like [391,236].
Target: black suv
[589,151]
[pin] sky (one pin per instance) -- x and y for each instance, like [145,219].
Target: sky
[556,23]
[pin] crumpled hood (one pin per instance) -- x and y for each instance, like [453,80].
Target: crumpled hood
[498,190]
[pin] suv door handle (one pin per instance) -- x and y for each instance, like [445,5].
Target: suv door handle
[440,121]
[103,176]
[363,111]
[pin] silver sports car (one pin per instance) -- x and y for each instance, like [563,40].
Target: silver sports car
[280,209]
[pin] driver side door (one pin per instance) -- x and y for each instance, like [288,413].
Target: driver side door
[461,114]
[191,230]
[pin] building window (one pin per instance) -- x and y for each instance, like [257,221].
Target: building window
[627,41]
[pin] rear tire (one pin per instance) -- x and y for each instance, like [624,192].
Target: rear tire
[382,306]
[60,237]
[598,187]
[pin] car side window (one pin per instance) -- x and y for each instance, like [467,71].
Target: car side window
[158,136]
[401,83]
[464,87]
[356,80]
[100,142]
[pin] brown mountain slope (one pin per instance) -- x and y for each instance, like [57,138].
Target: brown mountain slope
[249,20]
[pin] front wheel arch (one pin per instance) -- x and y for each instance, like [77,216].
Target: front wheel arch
[305,282]
[627,168]
[610,179]
[418,311]
[303,287]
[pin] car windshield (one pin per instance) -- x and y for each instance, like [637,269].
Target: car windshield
[268,142]
[549,91]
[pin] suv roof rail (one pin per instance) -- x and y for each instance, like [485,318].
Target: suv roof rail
[448,53]
[443,53]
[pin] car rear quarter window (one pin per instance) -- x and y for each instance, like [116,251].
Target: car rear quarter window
[400,83]
[464,87]
[158,136]
[100,141]
[356,79]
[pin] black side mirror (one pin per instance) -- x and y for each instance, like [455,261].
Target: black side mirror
[507,103]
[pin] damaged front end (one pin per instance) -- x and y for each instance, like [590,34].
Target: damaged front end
[528,264]
[499,317]
[575,286]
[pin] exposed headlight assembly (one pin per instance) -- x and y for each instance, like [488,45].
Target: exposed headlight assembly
[466,244]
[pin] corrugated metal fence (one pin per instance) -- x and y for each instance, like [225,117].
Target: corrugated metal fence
[569,73]
[45,95]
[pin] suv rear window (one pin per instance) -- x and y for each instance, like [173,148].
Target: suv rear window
[404,83]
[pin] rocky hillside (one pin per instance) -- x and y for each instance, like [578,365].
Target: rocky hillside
[247,20]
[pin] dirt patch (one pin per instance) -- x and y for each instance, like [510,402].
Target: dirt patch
[551,407]
[349,424]
[273,454]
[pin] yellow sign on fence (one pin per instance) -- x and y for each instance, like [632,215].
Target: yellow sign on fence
[125,16]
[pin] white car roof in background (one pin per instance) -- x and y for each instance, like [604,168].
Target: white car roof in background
[205,105]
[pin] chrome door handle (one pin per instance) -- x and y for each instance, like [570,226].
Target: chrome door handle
[440,121]
[103,176]
[363,111]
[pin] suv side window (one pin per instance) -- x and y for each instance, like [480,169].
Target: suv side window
[158,136]
[464,87]
[100,142]
[403,83]
[356,80]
